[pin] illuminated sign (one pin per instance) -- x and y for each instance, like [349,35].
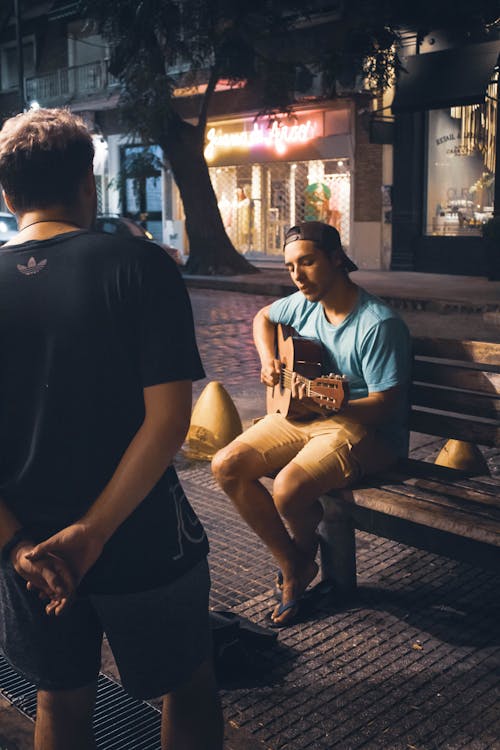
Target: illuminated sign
[223,84]
[277,137]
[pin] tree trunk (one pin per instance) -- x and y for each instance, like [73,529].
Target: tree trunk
[211,251]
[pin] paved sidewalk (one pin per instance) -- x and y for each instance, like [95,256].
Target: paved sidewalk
[408,290]
[410,664]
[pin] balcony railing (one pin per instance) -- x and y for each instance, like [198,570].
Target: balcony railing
[76,82]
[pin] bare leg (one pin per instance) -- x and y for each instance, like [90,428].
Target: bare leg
[64,719]
[192,714]
[237,468]
[296,498]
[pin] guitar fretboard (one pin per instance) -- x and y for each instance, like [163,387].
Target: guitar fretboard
[286,382]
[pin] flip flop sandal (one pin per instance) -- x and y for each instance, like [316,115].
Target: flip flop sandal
[292,620]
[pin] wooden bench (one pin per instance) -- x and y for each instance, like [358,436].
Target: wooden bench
[455,394]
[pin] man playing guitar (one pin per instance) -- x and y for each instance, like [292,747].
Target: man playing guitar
[362,340]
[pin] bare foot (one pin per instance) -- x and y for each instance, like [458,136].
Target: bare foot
[309,554]
[292,590]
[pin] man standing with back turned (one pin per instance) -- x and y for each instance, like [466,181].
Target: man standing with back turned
[98,356]
[364,340]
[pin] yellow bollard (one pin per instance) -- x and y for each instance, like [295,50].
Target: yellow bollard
[457,454]
[214,423]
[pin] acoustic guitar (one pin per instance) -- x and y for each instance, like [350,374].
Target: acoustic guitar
[303,356]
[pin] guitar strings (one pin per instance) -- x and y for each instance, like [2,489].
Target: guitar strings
[287,378]
[288,372]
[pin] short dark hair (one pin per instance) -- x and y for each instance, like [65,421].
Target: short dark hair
[324,237]
[44,155]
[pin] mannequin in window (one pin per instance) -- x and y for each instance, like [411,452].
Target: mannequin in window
[244,219]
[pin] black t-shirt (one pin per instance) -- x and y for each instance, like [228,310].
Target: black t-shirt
[86,322]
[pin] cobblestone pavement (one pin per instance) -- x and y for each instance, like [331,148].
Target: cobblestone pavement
[411,664]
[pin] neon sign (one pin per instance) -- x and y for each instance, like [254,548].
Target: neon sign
[278,138]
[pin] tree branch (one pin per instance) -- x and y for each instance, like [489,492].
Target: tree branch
[207,96]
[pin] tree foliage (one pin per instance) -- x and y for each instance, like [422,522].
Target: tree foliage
[159,46]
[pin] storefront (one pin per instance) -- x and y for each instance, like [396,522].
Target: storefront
[445,155]
[269,174]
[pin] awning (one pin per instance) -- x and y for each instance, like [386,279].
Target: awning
[451,77]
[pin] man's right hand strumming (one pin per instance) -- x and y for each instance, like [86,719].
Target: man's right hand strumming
[270,372]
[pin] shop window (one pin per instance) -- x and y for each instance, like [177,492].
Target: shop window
[461,168]
[259,202]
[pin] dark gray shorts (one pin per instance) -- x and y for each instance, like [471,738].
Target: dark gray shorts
[158,637]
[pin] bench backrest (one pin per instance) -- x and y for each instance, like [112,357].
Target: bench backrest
[456,390]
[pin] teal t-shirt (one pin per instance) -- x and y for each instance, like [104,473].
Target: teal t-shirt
[371,347]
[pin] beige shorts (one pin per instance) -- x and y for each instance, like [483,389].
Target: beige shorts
[335,452]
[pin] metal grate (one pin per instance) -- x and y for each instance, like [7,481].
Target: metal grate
[120,722]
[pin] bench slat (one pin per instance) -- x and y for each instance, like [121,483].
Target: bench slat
[438,373]
[416,535]
[483,490]
[459,402]
[444,425]
[441,497]
[424,512]
[483,352]
[491,481]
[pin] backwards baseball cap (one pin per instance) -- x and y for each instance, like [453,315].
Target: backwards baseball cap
[324,236]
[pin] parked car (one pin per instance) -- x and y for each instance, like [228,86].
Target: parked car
[8,227]
[121,226]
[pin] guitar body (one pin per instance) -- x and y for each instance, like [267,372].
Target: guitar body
[303,356]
